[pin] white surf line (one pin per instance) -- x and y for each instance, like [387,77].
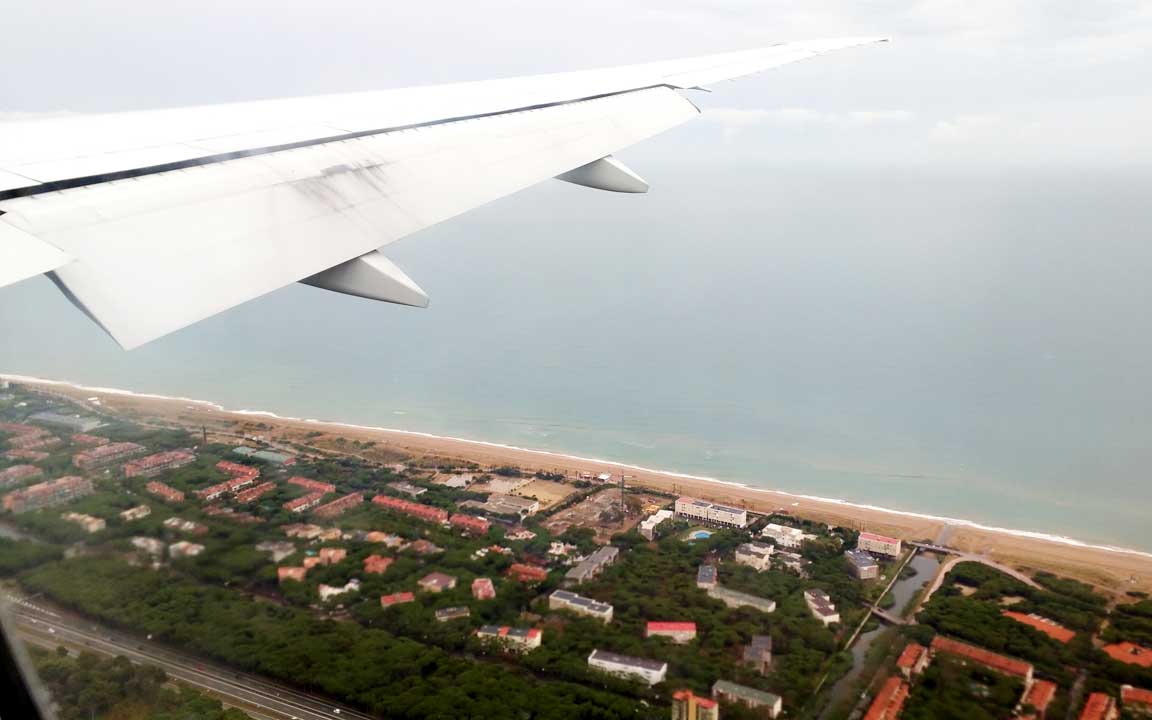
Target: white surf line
[961,522]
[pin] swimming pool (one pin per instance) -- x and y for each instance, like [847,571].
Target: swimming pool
[700,535]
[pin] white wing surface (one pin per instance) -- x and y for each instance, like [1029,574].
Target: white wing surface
[151,221]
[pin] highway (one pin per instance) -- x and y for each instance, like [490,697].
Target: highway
[260,698]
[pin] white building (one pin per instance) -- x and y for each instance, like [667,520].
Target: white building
[756,555]
[151,546]
[702,511]
[89,523]
[650,671]
[136,513]
[879,544]
[784,536]
[184,549]
[647,527]
[517,639]
[821,607]
[564,600]
[330,591]
[592,565]
[767,703]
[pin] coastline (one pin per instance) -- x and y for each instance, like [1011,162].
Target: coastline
[1109,567]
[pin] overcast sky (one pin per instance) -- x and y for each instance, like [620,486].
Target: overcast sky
[981,82]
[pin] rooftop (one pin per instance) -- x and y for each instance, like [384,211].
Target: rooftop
[1131,653]
[627,660]
[1054,630]
[758,697]
[1000,663]
[911,655]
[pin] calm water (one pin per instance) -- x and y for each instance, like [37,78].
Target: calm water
[974,346]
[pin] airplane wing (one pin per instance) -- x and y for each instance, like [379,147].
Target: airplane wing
[151,221]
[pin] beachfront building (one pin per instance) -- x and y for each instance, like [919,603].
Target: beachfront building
[45,494]
[769,704]
[889,701]
[785,536]
[647,526]
[565,600]
[756,555]
[510,638]
[18,474]
[678,632]
[862,565]
[702,511]
[879,544]
[456,612]
[164,491]
[706,577]
[153,465]
[757,654]
[686,705]
[108,454]
[592,565]
[821,607]
[626,666]
[735,599]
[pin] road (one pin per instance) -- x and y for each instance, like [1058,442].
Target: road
[260,698]
[952,562]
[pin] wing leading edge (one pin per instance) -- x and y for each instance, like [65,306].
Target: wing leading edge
[148,240]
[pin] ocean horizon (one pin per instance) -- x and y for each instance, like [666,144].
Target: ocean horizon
[964,345]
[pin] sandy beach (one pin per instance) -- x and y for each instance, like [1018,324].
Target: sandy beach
[1112,569]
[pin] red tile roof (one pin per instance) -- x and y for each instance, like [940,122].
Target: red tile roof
[689,696]
[423,512]
[660,626]
[911,656]
[396,599]
[889,701]
[1130,653]
[1054,630]
[377,563]
[878,538]
[1135,696]
[339,505]
[254,493]
[527,573]
[1040,695]
[1000,663]
[470,523]
[1098,707]
[160,489]
[313,485]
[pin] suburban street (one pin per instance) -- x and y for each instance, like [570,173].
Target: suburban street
[260,698]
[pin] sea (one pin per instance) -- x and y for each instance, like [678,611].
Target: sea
[969,343]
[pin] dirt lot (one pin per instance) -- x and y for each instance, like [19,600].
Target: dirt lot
[601,512]
[547,492]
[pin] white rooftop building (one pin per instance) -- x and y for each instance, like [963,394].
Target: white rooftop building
[756,555]
[647,527]
[821,607]
[785,536]
[702,511]
[650,671]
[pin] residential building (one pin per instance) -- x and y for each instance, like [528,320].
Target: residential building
[678,632]
[878,544]
[521,572]
[1100,707]
[152,465]
[702,511]
[517,639]
[1131,653]
[18,474]
[278,549]
[862,565]
[436,582]
[1037,696]
[387,601]
[45,494]
[303,503]
[212,492]
[758,653]
[734,599]
[266,455]
[1135,700]
[565,600]
[35,442]
[411,509]
[519,534]
[647,526]
[297,573]
[455,612]
[912,661]
[469,523]
[388,539]
[136,513]
[688,706]
[189,526]
[592,565]
[327,592]
[424,547]
[1052,629]
[72,423]
[706,577]
[408,488]
[255,493]
[332,555]
[311,561]
[483,589]
[649,671]
[149,546]
[795,562]
[237,470]
[821,607]
[1000,663]
[85,440]
[756,555]
[726,691]
[103,455]
[312,486]
[28,455]
[184,549]
[231,514]
[89,523]
[164,491]
[303,530]
[785,536]
[339,506]
[377,564]
[889,701]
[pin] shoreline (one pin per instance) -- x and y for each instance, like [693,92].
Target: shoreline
[1009,544]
